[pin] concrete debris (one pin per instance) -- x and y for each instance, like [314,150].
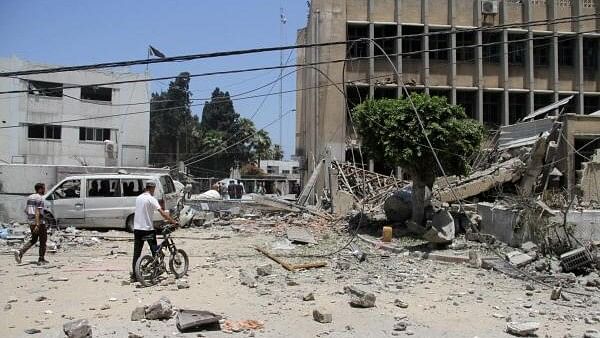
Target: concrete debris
[523,329]
[138,313]
[518,258]
[182,284]
[529,246]
[134,335]
[33,331]
[161,309]
[400,326]
[321,315]
[591,333]
[360,298]
[230,326]
[194,320]
[300,235]
[442,229]
[475,259]
[264,270]
[247,279]
[556,293]
[400,303]
[78,329]
[308,297]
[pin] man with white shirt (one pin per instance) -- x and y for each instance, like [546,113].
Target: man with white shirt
[143,227]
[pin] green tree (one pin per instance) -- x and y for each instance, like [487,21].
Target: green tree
[173,128]
[218,113]
[277,152]
[390,130]
[262,146]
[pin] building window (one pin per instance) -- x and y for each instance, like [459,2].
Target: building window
[385,93]
[566,51]
[541,52]
[542,100]
[96,93]
[571,107]
[412,46]
[356,95]
[465,53]
[591,104]
[357,48]
[285,172]
[44,131]
[517,107]
[466,99]
[516,50]
[440,93]
[382,34]
[491,47]
[590,54]
[492,106]
[43,88]
[94,134]
[438,44]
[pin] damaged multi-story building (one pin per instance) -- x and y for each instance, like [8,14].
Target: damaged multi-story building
[499,59]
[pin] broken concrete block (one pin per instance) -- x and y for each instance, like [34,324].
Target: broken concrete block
[308,297]
[360,298]
[182,284]
[475,259]
[529,246]
[138,313]
[442,229]
[591,333]
[161,309]
[400,303]
[246,279]
[322,316]
[518,258]
[134,335]
[78,329]
[264,270]
[556,293]
[522,329]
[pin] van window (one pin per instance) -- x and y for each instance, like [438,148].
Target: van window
[69,189]
[132,187]
[167,183]
[103,188]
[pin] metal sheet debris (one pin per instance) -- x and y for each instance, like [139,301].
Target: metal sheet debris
[300,235]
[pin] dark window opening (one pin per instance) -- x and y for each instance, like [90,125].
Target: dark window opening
[541,51]
[382,34]
[438,46]
[357,48]
[516,49]
[386,93]
[492,49]
[464,53]
[467,100]
[571,107]
[542,100]
[44,131]
[492,109]
[566,51]
[412,46]
[96,93]
[356,95]
[517,107]
[590,54]
[591,104]
[43,88]
[440,93]
[94,134]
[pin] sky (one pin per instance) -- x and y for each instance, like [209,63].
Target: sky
[76,32]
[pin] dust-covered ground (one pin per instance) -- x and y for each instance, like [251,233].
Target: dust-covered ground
[443,299]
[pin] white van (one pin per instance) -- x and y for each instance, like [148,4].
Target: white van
[104,200]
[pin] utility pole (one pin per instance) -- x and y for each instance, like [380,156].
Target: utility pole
[282,21]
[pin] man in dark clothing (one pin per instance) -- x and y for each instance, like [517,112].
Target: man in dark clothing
[231,189]
[35,217]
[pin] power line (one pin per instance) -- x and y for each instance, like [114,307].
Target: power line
[280,48]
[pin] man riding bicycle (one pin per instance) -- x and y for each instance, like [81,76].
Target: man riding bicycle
[143,227]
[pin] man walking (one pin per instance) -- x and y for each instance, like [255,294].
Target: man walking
[34,210]
[143,227]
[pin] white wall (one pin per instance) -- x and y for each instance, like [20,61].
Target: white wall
[130,131]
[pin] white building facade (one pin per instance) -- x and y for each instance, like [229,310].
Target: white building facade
[89,125]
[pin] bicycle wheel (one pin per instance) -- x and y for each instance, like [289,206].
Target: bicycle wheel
[145,271]
[179,263]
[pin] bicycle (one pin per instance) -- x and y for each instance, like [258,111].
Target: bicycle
[149,267]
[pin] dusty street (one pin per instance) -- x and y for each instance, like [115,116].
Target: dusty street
[443,299]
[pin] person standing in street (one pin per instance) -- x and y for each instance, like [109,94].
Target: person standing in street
[143,227]
[35,217]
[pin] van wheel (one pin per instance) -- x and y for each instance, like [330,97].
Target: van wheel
[129,223]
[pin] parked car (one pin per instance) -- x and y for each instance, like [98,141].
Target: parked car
[105,200]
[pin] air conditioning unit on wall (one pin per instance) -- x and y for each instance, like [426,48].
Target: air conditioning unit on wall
[489,7]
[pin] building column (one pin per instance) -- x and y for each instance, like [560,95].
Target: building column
[371,48]
[529,65]
[479,57]
[452,20]
[578,9]
[425,21]
[505,118]
[554,72]
[398,16]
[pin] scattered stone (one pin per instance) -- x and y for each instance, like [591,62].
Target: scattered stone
[522,329]
[33,331]
[556,293]
[105,307]
[58,279]
[518,258]
[401,304]
[7,307]
[161,309]
[125,283]
[41,298]
[342,265]
[400,326]
[360,298]
[134,335]
[308,297]
[475,260]
[591,333]
[78,329]
[264,270]
[322,316]
[262,291]
[246,279]
[138,314]
[112,299]
[529,246]
[182,284]
[529,287]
